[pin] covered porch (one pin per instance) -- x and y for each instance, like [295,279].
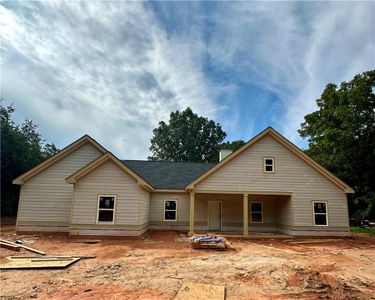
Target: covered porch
[241,214]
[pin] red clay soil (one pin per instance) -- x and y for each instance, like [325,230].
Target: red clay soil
[155,268]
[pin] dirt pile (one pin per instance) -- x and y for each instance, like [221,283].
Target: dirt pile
[157,266]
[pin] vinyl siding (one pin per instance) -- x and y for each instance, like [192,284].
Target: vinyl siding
[108,179]
[292,174]
[45,199]
[157,211]
[145,206]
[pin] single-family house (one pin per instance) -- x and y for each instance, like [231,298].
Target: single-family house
[269,185]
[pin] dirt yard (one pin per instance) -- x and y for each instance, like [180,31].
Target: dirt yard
[156,266]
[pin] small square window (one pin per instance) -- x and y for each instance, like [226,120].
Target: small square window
[319,208]
[107,202]
[269,165]
[320,220]
[105,216]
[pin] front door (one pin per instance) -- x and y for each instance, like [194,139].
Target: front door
[214,215]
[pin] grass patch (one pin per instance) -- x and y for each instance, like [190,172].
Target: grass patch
[363,230]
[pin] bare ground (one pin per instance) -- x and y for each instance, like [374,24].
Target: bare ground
[156,266]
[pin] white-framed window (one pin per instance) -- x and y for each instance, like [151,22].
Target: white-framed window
[320,213]
[256,212]
[269,165]
[170,210]
[106,209]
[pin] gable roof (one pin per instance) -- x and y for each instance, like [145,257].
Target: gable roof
[99,161]
[282,140]
[168,175]
[58,156]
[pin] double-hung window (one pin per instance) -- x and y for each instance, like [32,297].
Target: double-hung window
[256,212]
[269,165]
[106,209]
[320,213]
[170,210]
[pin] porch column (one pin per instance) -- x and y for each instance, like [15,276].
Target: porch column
[245,215]
[192,213]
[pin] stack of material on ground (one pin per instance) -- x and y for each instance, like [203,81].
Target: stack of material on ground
[209,242]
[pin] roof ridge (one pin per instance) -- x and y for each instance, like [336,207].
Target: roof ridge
[172,162]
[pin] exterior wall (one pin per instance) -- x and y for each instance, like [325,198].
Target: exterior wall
[108,179]
[144,207]
[245,174]
[45,199]
[157,211]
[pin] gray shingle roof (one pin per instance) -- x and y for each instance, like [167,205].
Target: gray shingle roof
[167,175]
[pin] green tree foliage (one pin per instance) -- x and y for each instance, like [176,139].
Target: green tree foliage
[22,147]
[341,136]
[234,146]
[187,137]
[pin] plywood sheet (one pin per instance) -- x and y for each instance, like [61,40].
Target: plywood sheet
[29,263]
[199,291]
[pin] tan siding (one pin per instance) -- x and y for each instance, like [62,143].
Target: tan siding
[144,206]
[109,179]
[157,209]
[283,211]
[46,197]
[245,173]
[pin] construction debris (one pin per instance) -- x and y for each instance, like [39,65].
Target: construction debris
[36,263]
[9,246]
[199,291]
[210,242]
[24,247]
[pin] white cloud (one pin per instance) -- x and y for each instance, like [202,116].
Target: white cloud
[104,68]
[114,69]
[294,49]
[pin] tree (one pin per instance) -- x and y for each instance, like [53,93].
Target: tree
[234,146]
[22,147]
[187,137]
[341,136]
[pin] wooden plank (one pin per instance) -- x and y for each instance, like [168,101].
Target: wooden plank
[86,241]
[317,241]
[199,291]
[25,247]
[8,264]
[61,256]
[9,246]
[52,259]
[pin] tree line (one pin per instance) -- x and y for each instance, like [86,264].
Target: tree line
[22,148]
[340,135]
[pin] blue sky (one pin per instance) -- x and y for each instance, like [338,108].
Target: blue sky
[115,69]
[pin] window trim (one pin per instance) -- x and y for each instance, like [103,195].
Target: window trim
[164,210]
[251,212]
[314,213]
[108,209]
[264,164]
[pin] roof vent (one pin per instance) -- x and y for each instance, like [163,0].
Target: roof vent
[224,153]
